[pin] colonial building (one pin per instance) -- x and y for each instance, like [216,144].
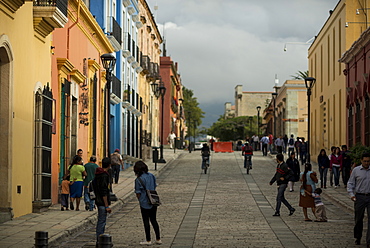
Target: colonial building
[286,114]
[246,102]
[229,111]
[357,74]
[27,113]
[149,44]
[328,108]
[80,90]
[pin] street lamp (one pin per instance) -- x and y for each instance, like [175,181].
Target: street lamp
[189,127]
[274,95]
[310,82]
[161,92]
[109,61]
[258,119]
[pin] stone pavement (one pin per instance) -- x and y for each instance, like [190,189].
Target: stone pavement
[20,232]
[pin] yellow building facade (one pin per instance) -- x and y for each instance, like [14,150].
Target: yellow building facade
[328,101]
[149,42]
[25,52]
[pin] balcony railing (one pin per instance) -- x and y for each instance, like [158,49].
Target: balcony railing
[145,63]
[114,33]
[154,70]
[116,90]
[126,44]
[62,5]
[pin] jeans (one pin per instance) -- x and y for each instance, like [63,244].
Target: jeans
[116,169]
[280,198]
[102,220]
[336,173]
[150,215]
[303,157]
[88,202]
[247,157]
[323,174]
[362,202]
[290,150]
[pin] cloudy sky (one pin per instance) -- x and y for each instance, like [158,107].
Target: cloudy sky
[223,43]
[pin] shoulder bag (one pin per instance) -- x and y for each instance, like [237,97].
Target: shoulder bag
[153,197]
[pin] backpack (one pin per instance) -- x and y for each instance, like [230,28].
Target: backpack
[115,159]
[291,142]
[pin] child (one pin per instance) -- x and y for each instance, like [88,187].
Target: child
[320,211]
[65,192]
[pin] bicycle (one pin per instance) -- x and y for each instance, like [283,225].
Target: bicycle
[205,163]
[248,162]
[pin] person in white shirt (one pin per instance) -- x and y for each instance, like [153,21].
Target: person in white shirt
[171,139]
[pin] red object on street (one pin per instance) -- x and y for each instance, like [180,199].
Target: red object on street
[223,147]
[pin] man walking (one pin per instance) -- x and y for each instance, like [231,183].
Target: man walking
[101,186]
[117,163]
[282,175]
[171,139]
[279,143]
[358,188]
[90,169]
[265,141]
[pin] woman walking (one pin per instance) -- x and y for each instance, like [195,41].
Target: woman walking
[324,164]
[146,180]
[336,165]
[76,171]
[293,164]
[308,178]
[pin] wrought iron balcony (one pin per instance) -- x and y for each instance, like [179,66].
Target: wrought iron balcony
[114,33]
[154,70]
[145,63]
[48,15]
[115,95]
[126,50]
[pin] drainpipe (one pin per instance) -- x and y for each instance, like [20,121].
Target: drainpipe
[69,28]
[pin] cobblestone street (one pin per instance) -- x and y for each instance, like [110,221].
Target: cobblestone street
[224,208]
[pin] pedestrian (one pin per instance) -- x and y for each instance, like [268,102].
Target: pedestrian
[247,152]
[116,164]
[80,153]
[303,151]
[256,140]
[291,145]
[358,187]
[265,142]
[281,177]
[346,165]
[76,171]
[211,141]
[65,192]
[279,143]
[331,175]
[309,180]
[148,211]
[101,184]
[90,169]
[296,146]
[320,211]
[271,142]
[336,165]
[324,164]
[293,164]
[171,139]
[285,138]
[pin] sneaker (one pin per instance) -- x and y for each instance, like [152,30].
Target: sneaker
[146,243]
[291,212]
[158,242]
[335,187]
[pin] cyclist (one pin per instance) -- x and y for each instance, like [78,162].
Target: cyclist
[247,152]
[205,152]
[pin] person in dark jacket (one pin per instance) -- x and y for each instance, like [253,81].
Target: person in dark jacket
[281,177]
[324,164]
[346,165]
[101,186]
[293,164]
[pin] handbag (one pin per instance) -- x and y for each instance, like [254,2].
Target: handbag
[152,195]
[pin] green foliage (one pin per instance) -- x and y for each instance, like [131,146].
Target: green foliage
[357,151]
[300,75]
[234,128]
[193,113]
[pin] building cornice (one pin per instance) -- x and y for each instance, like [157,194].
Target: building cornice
[356,47]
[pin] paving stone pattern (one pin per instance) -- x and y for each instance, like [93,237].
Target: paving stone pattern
[224,208]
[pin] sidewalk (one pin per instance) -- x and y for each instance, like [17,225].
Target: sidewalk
[20,232]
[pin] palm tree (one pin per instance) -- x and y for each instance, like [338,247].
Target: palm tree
[300,75]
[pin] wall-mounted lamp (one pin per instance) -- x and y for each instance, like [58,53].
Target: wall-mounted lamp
[358,10]
[347,23]
[309,42]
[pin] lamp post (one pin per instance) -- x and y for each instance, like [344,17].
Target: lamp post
[310,82]
[181,132]
[189,127]
[109,61]
[274,94]
[258,120]
[162,92]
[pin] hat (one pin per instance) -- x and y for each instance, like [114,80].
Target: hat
[117,150]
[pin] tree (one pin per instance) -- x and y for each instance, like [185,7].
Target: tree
[234,128]
[300,75]
[193,113]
